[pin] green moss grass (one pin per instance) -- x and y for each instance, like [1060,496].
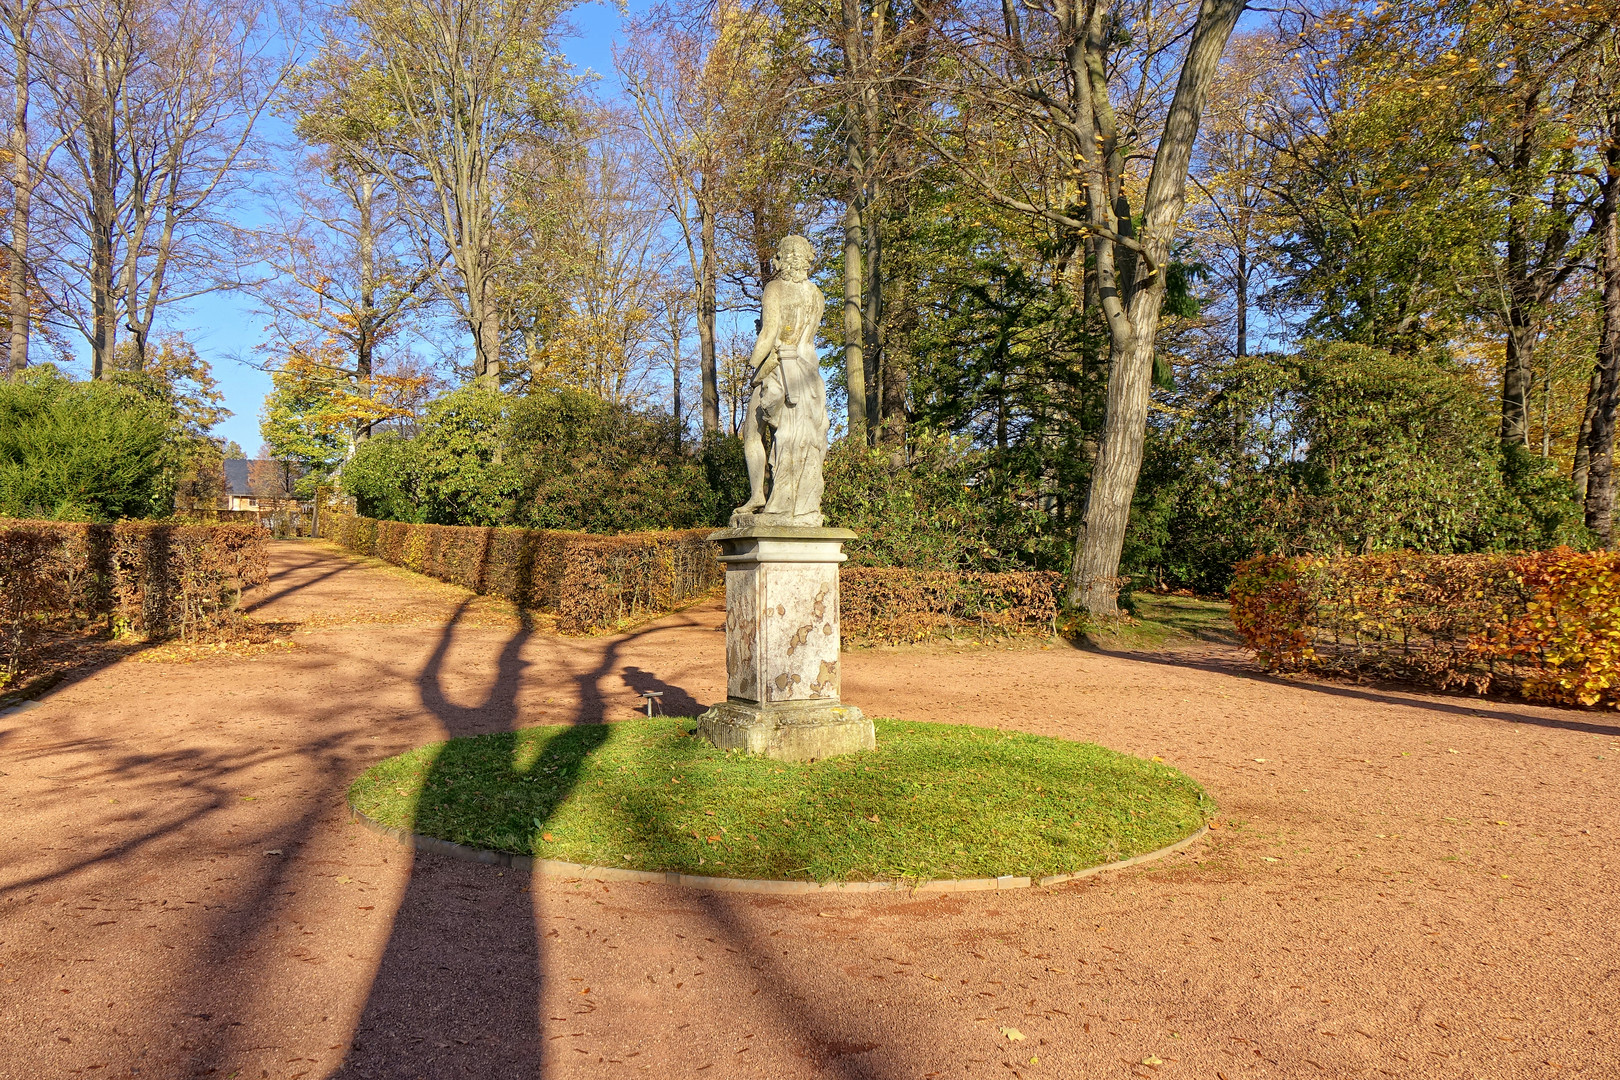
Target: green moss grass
[932,801]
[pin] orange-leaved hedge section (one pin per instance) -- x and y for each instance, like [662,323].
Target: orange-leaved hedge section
[592,582]
[147,579]
[1543,624]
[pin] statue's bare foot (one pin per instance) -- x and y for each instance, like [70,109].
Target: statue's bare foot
[755,504]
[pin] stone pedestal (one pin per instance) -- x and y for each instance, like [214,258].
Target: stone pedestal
[782,645]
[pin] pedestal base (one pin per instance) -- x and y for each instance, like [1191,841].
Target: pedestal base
[788,731]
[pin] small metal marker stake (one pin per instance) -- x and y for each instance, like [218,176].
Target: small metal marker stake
[651,696]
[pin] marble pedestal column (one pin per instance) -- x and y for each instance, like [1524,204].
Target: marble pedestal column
[782,647]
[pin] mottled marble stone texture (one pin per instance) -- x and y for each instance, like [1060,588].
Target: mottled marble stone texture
[782,646]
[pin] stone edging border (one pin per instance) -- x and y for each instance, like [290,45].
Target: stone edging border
[557,868]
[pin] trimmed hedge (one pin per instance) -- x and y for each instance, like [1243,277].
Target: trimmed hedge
[592,582]
[892,604]
[1543,624]
[149,579]
[597,583]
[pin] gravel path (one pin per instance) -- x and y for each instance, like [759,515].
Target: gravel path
[1403,885]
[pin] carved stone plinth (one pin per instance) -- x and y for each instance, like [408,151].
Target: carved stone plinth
[782,647]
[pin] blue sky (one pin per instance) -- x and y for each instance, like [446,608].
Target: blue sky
[225,327]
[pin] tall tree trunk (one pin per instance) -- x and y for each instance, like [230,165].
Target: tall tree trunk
[1522,309]
[1517,375]
[366,328]
[1133,331]
[854,323]
[675,389]
[872,322]
[1243,293]
[707,275]
[488,343]
[1578,474]
[22,190]
[1600,440]
[101,140]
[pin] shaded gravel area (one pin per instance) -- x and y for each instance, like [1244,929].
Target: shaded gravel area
[1403,885]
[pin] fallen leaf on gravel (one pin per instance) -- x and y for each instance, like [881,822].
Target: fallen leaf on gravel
[345,881]
[1261,760]
[1449,750]
[1213,824]
[1156,757]
[1268,858]
[275,851]
[1151,1060]
[1013,1034]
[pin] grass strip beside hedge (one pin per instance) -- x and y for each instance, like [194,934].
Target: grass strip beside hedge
[932,801]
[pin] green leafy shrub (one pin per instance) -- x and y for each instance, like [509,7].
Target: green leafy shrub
[85,451]
[382,478]
[928,512]
[600,467]
[1342,448]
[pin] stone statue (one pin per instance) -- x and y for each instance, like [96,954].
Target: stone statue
[788,398]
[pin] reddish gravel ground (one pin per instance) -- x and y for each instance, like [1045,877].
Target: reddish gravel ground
[1404,885]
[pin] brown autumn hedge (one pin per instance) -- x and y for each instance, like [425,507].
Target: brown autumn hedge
[149,579]
[1543,624]
[597,583]
[592,582]
[891,604]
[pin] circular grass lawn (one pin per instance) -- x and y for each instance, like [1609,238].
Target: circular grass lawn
[932,801]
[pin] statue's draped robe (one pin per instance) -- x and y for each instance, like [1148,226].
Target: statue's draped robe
[800,429]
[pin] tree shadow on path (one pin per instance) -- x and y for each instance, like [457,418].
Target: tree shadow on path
[1390,694]
[458,991]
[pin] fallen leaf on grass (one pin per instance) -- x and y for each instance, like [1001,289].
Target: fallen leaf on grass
[546,837]
[873,817]
[1013,1034]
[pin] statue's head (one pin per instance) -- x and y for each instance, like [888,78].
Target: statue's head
[794,257]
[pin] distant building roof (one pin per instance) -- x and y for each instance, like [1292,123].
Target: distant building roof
[261,477]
